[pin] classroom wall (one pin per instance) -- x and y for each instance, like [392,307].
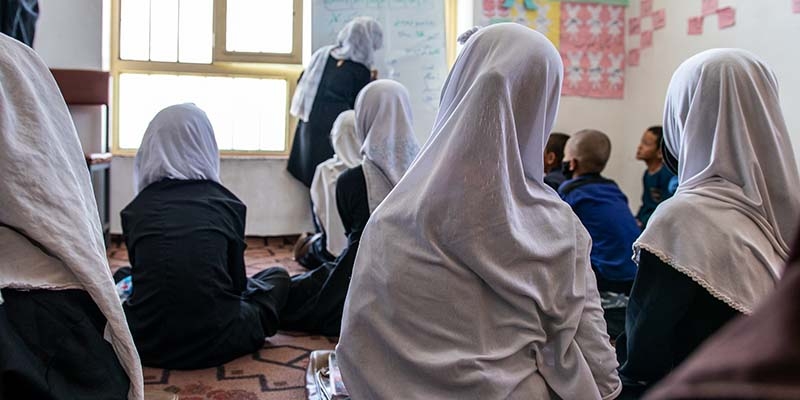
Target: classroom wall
[72,35]
[766,27]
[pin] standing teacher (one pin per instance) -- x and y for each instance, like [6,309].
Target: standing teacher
[328,87]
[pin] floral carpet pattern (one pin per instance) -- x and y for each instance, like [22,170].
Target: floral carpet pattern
[276,372]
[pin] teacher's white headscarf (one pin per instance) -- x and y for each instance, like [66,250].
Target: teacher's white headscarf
[347,148]
[357,41]
[736,208]
[383,118]
[472,278]
[50,234]
[179,144]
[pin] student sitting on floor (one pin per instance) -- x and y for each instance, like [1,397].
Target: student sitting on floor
[383,117]
[553,157]
[63,334]
[717,248]
[473,278]
[603,210]
[192,305]
[331,241]
[657,178]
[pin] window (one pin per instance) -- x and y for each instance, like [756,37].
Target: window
[238,60]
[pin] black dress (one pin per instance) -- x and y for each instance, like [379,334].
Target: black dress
[192,305]
[669,316]
[341,81]
[316,298]
[52,347]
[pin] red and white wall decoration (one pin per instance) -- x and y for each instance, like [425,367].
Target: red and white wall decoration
[643,26]
[593,50]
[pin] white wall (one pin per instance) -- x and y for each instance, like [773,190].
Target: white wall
[765,27]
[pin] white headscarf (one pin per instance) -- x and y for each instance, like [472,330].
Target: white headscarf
[472,278]
[179,144]
[357,41]
[736,207]
[383,117]
[50,235]
[347,145]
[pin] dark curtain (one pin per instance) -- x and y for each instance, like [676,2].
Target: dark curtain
[18,19]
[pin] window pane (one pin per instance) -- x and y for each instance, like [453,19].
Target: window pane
[195,31]
[134,34]
[164,30]
[259,26]
[247,113]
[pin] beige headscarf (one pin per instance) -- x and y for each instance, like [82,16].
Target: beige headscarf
[50,235]
[736,207]
[472,278]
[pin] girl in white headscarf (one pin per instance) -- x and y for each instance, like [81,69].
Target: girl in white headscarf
[328,244]
[63,334]
[192,305]
[327,87]
[383,116]
[473,279]
[717,248]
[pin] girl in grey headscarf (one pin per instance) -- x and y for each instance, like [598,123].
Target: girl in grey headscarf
[63,334]
[329,86]
[192,305]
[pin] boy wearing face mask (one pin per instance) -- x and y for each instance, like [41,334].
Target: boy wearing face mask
[603,210]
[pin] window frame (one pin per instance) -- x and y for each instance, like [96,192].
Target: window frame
[232,64]
[236,64]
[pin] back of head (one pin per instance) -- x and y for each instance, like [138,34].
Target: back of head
[46,197]
[724,124]
[525,71]
[359,40]
[591,148]
[384,120]
[346,143]
[179,144]
[555,144]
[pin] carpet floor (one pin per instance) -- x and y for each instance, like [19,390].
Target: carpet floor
[276,372]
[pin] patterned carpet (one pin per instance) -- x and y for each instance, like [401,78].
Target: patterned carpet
[276,372]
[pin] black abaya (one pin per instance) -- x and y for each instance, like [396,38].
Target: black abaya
[192,305]
[341,81]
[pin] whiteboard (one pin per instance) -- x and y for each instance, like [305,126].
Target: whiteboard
[414,46]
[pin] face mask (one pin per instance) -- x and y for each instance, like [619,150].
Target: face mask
[565,170]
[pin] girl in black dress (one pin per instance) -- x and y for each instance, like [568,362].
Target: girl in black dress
[328,87]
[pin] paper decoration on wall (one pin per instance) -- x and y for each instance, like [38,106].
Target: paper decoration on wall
[796,6]
[696,26]
[644,26]
[633,57]
[646,8]
[529,4]
[646,40]
[634,26]
[546,19]
[726,17]
[609,2]
[660,19]
[593,50]
[710,7]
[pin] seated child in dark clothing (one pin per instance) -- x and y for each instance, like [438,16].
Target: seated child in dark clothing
[553,154]
[603,209]
[657,179]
